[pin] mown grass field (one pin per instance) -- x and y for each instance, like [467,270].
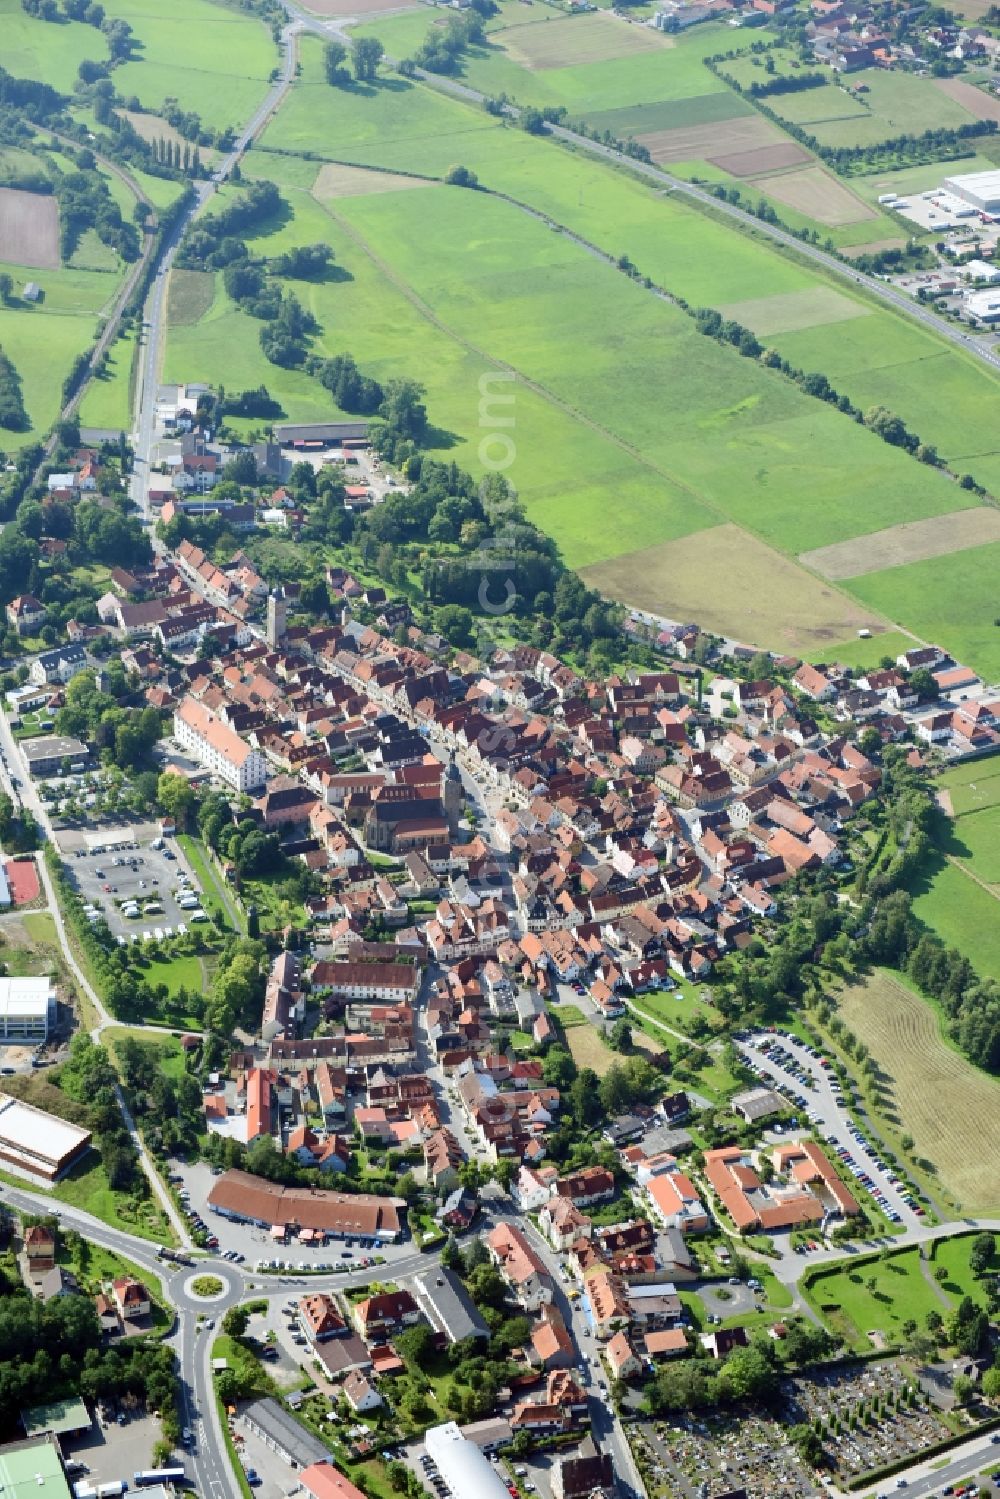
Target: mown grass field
[937,1096]
[875,1295]
[896,104]
[741,445]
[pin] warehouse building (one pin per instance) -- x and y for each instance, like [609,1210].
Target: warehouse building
[462,1464]
[27,1010]
[980,189]
[38,1142]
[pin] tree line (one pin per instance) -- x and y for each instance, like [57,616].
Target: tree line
[13,415]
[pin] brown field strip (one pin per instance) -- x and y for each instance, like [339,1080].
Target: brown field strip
[949,1107]
[336,181]
[913,541]
[341,8]
[734,585]
[763,159]
[791,311]
[984,106]
[706,141]
[814,192]
[29,229]
[872,248]
[595,37]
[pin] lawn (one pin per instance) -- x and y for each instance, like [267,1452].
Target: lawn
[46,50]
[681,1007]
[861,654]
[169,1053]
[953,1254]
[875,1295]
[929,1090]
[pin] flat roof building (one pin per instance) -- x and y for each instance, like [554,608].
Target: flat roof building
[981,189]
[462,1464]
[27,1008]
[38,1142]
[46,753]
[27,1468]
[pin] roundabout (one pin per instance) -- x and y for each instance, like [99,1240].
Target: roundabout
[215,1286]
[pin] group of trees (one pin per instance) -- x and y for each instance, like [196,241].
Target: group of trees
[752,1373]
[168,1109]
[351,390]
[127,734]
[13,415]
[85,202]
[89,1078]
[365,54]
[55,1350]
[443,47]
[214,243]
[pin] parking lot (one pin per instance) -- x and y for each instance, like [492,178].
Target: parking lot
[138,889]
[788,1064]
[112,1451]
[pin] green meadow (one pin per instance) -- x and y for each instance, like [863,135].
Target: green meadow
[47,50]
[210,58]
[42,339]
[950,600]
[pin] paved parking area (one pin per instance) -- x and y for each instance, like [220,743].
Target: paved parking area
[112,1452]
[792,1067]
[146,875]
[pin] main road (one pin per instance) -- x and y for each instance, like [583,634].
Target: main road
[154,312]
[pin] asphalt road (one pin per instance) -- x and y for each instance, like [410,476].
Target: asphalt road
[154,312]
